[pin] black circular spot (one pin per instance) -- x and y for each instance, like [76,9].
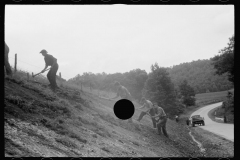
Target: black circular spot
[123,109]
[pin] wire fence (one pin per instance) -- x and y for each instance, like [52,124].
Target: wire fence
[25,66]
[23,72]
[23,62]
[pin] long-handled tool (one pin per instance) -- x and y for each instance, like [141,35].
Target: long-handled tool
[39,73]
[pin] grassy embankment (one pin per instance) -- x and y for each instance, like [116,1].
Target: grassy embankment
[71,122]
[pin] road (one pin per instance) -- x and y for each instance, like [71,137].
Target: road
[221,129]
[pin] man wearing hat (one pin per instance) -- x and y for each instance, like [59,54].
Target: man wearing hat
[50,61]
[123,93]
[161,119]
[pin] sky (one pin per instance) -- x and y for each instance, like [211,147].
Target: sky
[115,38]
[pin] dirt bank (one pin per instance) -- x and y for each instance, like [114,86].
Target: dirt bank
[71,123]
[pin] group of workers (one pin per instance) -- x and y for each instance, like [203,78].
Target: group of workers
[157,114]
[49,61]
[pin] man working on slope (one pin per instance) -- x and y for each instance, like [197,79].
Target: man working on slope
[123,93]
[149,110]
[50,61]
[6,63]
[161,119]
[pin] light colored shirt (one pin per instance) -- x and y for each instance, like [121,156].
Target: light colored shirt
[147,105]
[123,92]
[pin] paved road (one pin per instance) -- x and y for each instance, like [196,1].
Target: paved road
[221,129]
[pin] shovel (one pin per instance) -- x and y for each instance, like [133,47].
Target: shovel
[39,73]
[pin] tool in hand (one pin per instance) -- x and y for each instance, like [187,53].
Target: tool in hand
[40,73]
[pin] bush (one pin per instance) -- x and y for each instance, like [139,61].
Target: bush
[189,101]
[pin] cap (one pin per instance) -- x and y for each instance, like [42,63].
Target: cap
[43,51]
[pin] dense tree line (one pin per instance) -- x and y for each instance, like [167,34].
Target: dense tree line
[175,87]
[224,63]
[201,76]
[134,80]
[160,88]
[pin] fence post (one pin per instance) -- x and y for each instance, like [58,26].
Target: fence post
[32,75]
[60,75]
[15,64]
[27,76]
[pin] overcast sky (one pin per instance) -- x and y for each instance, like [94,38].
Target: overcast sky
[115,38]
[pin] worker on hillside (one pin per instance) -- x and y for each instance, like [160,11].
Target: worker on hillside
[6,63]
[147,104]
[161,119]
[176,118]
[50,61]
[123,93]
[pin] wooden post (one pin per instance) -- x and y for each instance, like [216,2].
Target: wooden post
[32,74]
[15,64]
[27,76]
[60,75]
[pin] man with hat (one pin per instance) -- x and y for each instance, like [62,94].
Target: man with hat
[161,119]
[50,61]
[123,93]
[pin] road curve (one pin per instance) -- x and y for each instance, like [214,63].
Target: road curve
[221,129]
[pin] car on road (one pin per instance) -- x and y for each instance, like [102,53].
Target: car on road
[197,119]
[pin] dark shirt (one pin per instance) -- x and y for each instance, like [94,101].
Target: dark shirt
[160,111]
[49,60]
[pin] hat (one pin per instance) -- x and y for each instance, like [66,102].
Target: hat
[43,51]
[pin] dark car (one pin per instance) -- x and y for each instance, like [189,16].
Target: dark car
[197,119]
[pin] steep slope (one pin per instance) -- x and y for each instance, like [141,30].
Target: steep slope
[71,123]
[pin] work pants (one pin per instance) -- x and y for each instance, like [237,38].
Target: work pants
[151,112]
[52,75]
[161,126]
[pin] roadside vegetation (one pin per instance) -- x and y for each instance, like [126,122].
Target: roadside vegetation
[74,122]
[78,119]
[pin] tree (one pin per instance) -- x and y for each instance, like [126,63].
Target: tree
[224,63]
[135,81]
[187,93]
[159,88]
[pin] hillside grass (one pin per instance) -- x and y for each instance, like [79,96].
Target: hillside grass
[78,123]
